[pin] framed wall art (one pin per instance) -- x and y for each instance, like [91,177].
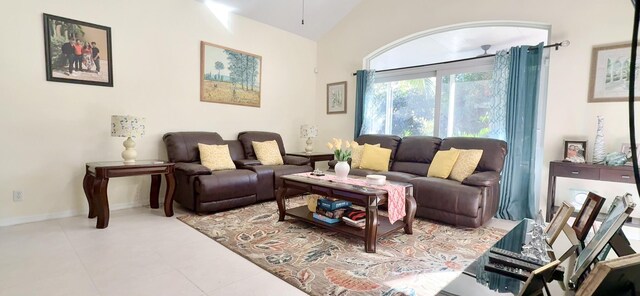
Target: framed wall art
[77,51]
[337,97]
[229,76]
[609,79]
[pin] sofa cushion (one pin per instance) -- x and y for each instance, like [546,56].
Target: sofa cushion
[398,176]
[375,158]
[183,146]
[216,157]
[418,149]
[281,170]
[443,163]
[267,152]
[247,137]
[465,164]
[385,141]
[221,185]
[356,154]
[447,195]
[492,157]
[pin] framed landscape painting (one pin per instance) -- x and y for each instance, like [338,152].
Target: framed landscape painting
[77,51]
[229,76]
[609,79]
[337,97]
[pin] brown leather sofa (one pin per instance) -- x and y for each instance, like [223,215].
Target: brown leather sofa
[470,203]
[201,190]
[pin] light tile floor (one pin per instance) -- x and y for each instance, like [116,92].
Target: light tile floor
[142,252]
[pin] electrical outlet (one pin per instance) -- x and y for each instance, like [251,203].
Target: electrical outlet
[17,195]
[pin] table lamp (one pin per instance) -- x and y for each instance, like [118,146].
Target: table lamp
[130,127]
[308,132]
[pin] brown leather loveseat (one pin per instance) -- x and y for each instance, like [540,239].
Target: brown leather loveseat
[470,203]
[202,190]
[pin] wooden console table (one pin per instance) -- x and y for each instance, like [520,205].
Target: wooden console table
[97,177]
[588,171]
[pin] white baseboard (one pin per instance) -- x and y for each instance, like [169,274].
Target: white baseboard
[66,214]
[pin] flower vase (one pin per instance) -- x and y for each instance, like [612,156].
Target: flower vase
[342,169]
[599,152]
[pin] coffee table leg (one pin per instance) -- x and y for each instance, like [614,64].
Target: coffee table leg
[411,207]
[371,227]
[168,197]
[87,185]
[280,197]
[101,203]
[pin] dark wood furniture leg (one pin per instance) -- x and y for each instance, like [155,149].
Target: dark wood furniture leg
[87,185]
[411,207]
[154,192]
[168,197]
[551,195]
[101,203]
[371,227]
[280,197]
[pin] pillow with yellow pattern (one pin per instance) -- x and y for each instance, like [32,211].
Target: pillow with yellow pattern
[216,157]
[465,164]
[442,163]
[268,152]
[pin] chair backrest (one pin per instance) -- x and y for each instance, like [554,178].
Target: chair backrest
[415,153]
[494,151]
[250,136]
[183,146]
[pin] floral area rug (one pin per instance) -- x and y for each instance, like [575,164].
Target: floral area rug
[322,262]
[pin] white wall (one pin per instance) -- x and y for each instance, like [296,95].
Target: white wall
[52,129]
[375,23]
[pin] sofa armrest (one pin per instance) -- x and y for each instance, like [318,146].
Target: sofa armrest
[241,163]
[295,160]
[191,169]
[483,179]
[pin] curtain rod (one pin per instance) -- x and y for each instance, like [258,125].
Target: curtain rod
[556,45]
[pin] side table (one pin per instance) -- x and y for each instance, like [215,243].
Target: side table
[97,177]
[314,156]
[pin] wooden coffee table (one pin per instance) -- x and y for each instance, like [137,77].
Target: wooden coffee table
[368,197]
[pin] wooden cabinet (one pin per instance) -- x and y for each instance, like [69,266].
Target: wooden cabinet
[589,171]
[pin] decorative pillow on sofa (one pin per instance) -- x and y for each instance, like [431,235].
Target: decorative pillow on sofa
[442,163]
[356,155]
[375,158]
[216,157]
[267,152]
[466,164]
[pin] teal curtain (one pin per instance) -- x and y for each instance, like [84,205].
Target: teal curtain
[364,83]
[517,198]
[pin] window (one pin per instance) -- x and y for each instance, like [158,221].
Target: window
[449,100]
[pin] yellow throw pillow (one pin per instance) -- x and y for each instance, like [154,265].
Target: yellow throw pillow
[442,163]
[466,164]
[375,158]
[267,152]
[216,157]
[356,155]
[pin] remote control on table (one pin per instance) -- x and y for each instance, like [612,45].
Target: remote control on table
[518,256]
[513,272]
[508,261]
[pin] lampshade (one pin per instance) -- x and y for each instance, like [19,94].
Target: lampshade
[127,126]
[308,131]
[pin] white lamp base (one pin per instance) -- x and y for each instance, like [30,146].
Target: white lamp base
[129,154]
[309,147]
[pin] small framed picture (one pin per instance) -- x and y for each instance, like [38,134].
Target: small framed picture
[77,51]
[337,97]
[555,227]
[575,151]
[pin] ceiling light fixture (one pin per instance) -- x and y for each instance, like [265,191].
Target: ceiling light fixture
[485,47]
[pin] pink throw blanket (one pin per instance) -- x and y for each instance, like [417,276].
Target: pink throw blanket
[395,193]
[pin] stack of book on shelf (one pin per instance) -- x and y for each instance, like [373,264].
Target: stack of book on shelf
[331,211]
[355,218]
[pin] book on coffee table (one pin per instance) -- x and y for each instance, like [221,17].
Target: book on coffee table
[325,218]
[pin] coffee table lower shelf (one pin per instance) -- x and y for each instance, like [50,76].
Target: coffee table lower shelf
[384,227]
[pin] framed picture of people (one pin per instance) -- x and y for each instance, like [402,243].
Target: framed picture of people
[77,51]
[575,151]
